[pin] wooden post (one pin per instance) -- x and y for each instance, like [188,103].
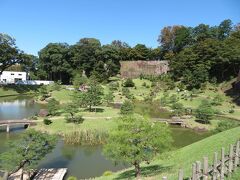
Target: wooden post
[205,168]
[8,129]
[194,171]
[230,162]
[198,170]
[164,178]
[180,174]
[236,159]
[215,162]
[5,176]
[222,163]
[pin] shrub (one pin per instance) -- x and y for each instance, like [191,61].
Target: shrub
[204,112]
[163,101]
[47,121]
[113,86]
[144,84]
[126,93]
[77,119]
[173,99]
[178,109]
[56,86]
[217,100]
[231,111]
[53,106]
[225,125]
[127,108]
[107,173]
[109,97]
[79,80]
[129,83]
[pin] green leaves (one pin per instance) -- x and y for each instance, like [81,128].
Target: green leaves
[137,140]
[27,151]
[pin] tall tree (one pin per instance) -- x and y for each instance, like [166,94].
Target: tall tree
[182,38]
[224,29]
[141,52]
[84,54]
[167,36]
[9,53]
[54,60]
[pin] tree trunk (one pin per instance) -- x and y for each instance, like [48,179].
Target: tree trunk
[137,170]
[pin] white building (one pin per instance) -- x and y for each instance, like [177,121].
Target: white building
[10,77]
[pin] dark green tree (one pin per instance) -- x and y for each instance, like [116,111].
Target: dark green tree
[54,60]
[9,53]
[204,112]
[27,152]
[224,29]
[127,108]
[53,106]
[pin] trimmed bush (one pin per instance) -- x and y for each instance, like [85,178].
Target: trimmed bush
[47,121]
[129,83]
[127,108]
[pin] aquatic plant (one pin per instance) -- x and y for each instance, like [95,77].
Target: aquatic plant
[86,137]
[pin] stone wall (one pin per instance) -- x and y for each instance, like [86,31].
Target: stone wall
[133,69]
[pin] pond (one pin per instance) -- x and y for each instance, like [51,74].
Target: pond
[81,161]
[153,109]
[18,107]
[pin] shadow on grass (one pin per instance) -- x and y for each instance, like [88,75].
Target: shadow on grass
[234,94]
[94,110]
[202,121]
[145,171]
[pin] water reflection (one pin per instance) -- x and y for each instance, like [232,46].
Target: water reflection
[18,107]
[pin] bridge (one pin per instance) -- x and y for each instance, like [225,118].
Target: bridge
[9,123]
[173,121]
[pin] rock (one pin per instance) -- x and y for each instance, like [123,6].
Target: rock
[43,112]
[200,129]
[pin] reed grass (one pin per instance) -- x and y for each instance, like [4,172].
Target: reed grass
[86,137]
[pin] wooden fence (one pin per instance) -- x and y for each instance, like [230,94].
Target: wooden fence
[219,169]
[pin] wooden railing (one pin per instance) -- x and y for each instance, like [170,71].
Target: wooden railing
[220,168]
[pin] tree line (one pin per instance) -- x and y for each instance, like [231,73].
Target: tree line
[202,53]
[196,55]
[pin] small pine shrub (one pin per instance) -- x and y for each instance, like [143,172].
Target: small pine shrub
[129,83]
[127,108]
[47,121]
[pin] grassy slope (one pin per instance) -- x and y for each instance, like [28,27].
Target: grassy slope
[235,175]
[183,158]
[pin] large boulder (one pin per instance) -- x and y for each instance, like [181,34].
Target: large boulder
[43,113]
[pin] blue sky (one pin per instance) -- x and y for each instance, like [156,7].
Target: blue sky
[35,23]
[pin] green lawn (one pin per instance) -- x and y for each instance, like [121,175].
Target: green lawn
[102,120]
[12,90]
[169,163]
[63,96]
[235,175]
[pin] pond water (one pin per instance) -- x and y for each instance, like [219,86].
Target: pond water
[81,161]
[18,107]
